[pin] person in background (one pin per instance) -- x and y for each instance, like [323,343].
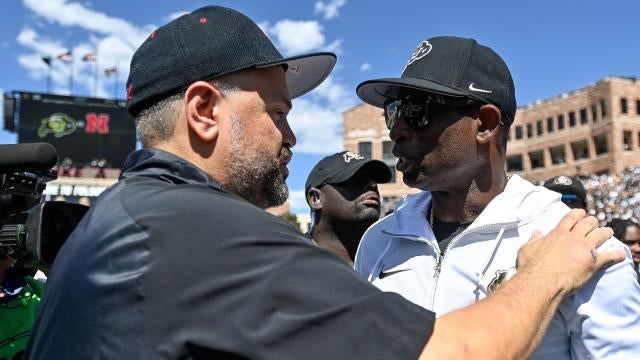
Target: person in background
[20,295]
[628,231]
[573,193]
[342,192]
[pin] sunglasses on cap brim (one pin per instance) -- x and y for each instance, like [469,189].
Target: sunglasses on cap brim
[414,109]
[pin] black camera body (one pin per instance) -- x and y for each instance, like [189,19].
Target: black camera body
[32,230]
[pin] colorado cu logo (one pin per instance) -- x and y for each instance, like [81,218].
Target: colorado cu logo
[421,51]
[58,124]
[501,277]
[351,155]
[562,180]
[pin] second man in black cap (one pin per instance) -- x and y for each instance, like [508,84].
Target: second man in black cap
[342,192]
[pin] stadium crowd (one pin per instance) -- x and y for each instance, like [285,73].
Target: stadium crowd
[614,196]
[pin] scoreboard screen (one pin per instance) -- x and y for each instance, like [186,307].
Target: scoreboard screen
[82,129]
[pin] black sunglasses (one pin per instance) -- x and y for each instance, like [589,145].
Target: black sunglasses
[414,109]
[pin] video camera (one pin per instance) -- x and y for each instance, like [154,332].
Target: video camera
[30,229]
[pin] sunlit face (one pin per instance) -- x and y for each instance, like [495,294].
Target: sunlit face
[632,240]
[260,139]
[435,156]
[355,200]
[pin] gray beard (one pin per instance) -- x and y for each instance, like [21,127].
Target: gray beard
[253,174]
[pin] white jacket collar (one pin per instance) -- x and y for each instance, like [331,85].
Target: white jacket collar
[515,206]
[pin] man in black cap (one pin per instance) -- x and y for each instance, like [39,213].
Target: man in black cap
[178,259]
[342,192]
[456,241]
[573,193]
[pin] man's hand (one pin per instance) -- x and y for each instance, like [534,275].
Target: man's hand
[568,254]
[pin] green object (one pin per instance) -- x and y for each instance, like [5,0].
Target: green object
[16,318]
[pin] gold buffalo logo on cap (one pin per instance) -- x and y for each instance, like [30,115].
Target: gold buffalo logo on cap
[58,124]
[501,277]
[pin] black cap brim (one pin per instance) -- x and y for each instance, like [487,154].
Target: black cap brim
[305,72]
[379,172]
[376,92]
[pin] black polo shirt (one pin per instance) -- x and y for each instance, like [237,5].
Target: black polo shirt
[168,265]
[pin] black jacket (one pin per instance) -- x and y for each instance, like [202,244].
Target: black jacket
[168,265]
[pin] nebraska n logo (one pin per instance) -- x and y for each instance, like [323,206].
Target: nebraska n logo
[421,51]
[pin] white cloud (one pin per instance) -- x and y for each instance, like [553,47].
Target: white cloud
[365,67]
[297,36]
[66,13]
[175,15]
[114,40]
[316,119]
[329,9]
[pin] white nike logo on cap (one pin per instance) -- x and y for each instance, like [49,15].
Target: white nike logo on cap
[473,88]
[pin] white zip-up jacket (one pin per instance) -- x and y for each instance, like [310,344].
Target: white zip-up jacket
[399,253]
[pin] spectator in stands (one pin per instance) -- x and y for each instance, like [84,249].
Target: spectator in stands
[628,231]
[614,196]
[342,192]
[573,193]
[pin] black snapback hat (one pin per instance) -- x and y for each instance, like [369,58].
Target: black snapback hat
[340,167]
[567,184]
[210,42]
[449,66]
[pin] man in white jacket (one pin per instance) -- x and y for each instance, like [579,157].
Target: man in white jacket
[456,241]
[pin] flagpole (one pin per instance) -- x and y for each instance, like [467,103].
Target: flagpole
[71,76]
[95,75]
[49,78]
[115,83]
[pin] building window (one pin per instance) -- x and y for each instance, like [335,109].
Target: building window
[594,113]
[623,105]
[601,144]
[627,141]
[580,150]
[389,159]
[603,108]
[529,130]
[537,159]
[364,149]
[558,155]
[638,107]
[549,125]
[572,119]
[514,163]
[583,116]
[560,122]
[518,132]
[539,127]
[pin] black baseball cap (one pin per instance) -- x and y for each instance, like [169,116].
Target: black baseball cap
[340,167]
[567,185]
[449,66]
[207,43]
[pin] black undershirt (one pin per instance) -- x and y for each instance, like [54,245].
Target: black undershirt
[446,231]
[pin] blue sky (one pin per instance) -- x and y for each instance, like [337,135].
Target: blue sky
[550,46]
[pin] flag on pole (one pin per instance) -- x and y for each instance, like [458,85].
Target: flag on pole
[65,57]
[47,60]
[110,71]
[89,57]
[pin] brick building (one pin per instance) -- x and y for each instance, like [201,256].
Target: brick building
[593,130]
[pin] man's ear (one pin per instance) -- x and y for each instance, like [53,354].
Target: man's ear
[314,198]
[203,101]
[490,117]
